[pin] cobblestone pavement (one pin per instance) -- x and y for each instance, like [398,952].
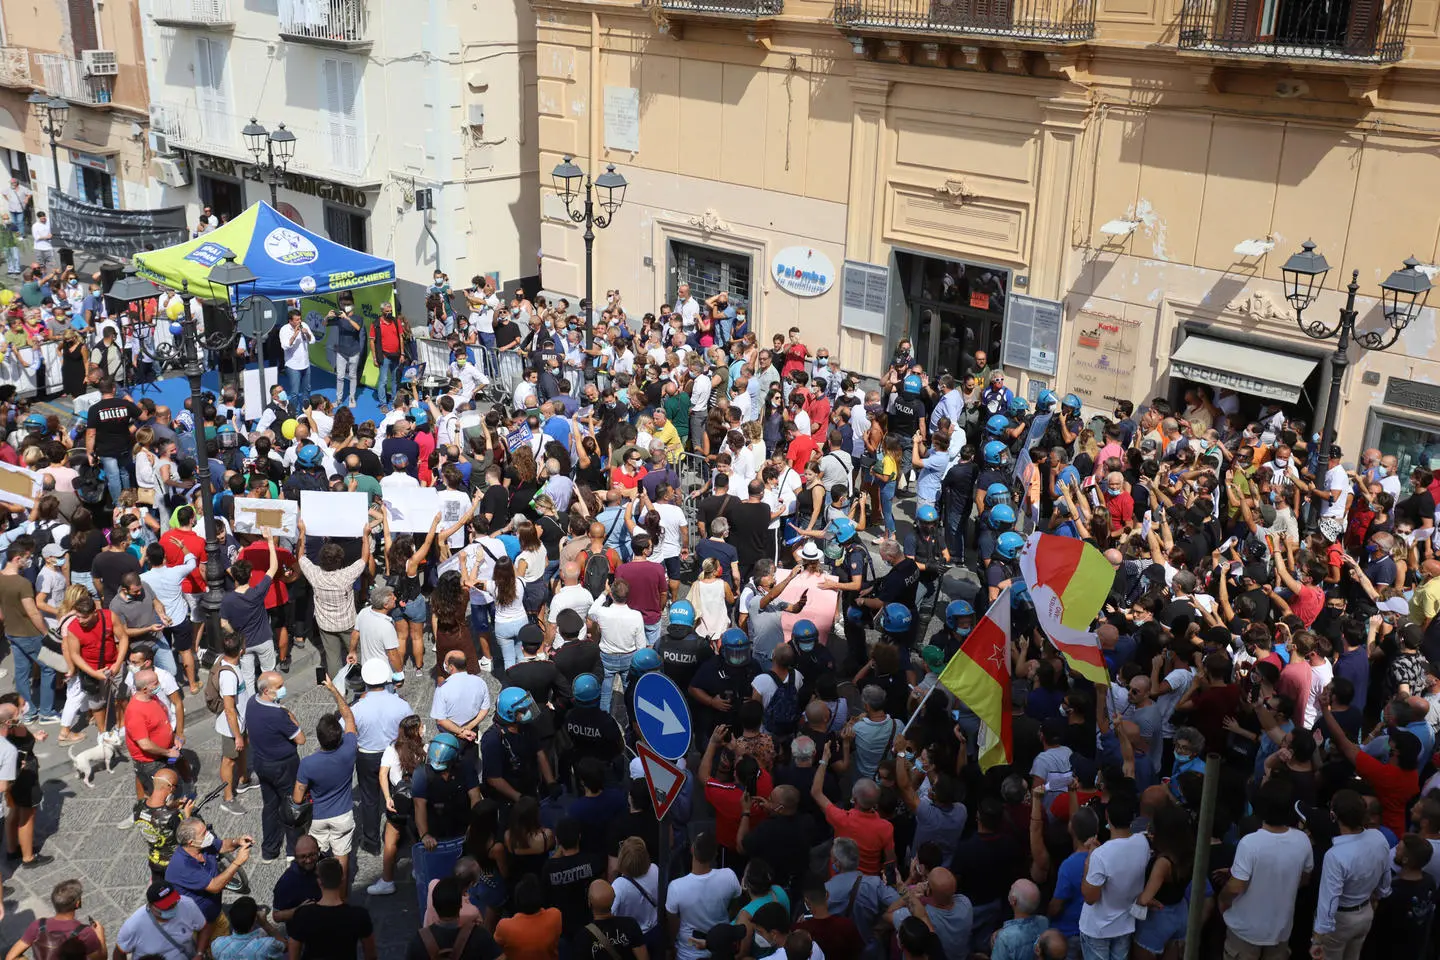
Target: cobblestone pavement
[83,827]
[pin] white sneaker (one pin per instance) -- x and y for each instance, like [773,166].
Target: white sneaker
[381,888]
[485,664]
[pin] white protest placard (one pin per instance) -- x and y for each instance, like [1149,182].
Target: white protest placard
[254,515]
[255,398]
[411,509]
[329,514]
[18,486]
[453,563]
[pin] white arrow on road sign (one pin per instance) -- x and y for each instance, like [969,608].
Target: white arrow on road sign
[669,723]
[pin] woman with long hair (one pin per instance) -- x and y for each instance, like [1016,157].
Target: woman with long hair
[397,764]
[530,567]
[886,474]
[1172,846]
[524,482]
[450,622]
[589,464]
[874,452]
[712,598]
[527,841]
[484,844]
[73,361]
[637,891]
[510,614]
[772,418]
[403,564]
[147,470]
[757,888]
[85,545]
[342,428]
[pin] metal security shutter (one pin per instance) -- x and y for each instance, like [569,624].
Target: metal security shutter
[709,271]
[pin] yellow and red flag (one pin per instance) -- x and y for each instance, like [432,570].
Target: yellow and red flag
[1068,580]
[979,674]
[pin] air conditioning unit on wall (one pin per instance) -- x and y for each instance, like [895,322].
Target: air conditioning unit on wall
[100,63]
[171,172]
[160,145]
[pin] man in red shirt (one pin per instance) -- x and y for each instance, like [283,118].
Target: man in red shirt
[799,446]
[1308,598]
[1212,698]
[649,585]
[627,475]
[1118,501]
[388,340]
[872,833]
[277,598]
[1395,781]
[725,791]
[148,734]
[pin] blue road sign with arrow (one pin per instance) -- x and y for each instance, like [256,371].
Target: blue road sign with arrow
[662,715]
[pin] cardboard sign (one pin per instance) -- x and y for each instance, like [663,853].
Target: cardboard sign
[18,486]
[329,514]
[253,515]
[411,509]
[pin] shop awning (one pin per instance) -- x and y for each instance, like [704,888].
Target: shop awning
[1260,373]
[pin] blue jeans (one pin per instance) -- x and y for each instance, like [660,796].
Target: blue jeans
[297,383]
[164,656]
[27,658]
[614,664]
[347,373]
[487,356]
[118,473]
[887,506]
[507,633]
[389,374]
[652,633]
[1105,948]
[955,537]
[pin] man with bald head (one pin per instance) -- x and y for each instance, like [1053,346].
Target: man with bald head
[783,838]
[874,836]
[572,595]
[621,933]
[1051,946]
[948,914]
[275,737]
[149,737]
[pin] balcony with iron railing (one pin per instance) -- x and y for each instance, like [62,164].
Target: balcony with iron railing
[327,23]
[1046,21]
[1361,31]
[724,9]
[15,68]
[206,14]
[194,128]
[67,78]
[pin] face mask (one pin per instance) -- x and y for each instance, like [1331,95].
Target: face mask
[168,914]
[207,840]
[280,694]
[282,397]
[460,361]
[1065,711]
[1182,757]
[1114,491]
[963,631]
[761,941]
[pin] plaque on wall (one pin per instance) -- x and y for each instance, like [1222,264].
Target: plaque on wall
[1032,333]
[1412,394]
[1102,359]
[864,294]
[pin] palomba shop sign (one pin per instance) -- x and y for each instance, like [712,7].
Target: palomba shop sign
[803,271]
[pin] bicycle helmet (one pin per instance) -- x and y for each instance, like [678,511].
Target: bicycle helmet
[682,614]
[516,706]
[735,647]
[927,514]
[443,751]
[911,384]
[896,618]
[995,453]
[1071,402]
[1045,402]
[956,611]
[997,493]
[586,690]
[1018,405]
[1002,517]
[997,424]
[842,529]
[646,660]
[805,635]
[1008,545]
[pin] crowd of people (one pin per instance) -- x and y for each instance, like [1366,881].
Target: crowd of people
[678,497]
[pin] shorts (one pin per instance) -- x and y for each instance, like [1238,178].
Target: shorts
[334,834]
[181,636]
[415,611]
[673,568]
[227,748]
[279,618]
[1160,926]
[145,771]
[25,792]
[192,600]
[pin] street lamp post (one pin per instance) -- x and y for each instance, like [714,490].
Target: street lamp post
[50,113]
[1403,296]
[611,186]
[278,148]
[187,353]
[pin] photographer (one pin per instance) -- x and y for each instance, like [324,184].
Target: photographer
[195,869]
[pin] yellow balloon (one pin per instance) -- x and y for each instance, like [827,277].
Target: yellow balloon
[287,429]
[6,296]
[176,309]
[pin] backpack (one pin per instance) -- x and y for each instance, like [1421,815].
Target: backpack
[782,713]
[455,951]
[214,700]
[596,573]
[48,943]
[90,486]
[44,534]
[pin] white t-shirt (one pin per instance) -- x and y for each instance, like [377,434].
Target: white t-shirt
[630,902]
[453,505]
[1273,864]
[377,635]
[574,597]
[1335,479]
[232,684]
[390,761]
[398,481]
[323,422]
[689,310]
[672,521]
[1179,680]
[296,345]
[764,684]
[140,937]
[700,393]
[1118,868]
[9,760]
[700,901]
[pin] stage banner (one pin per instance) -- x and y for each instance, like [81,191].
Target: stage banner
[116,233]
[367,306]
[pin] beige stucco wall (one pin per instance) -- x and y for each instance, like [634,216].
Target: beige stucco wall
[781,133]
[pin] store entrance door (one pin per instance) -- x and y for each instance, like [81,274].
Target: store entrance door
[955,309]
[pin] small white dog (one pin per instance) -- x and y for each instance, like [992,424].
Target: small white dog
[105,751]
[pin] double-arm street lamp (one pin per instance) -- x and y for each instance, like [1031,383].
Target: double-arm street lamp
[272,150]
[188,353]
[611,186]
[1403,296]
[50,113]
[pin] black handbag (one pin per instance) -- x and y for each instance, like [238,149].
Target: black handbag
[297,815]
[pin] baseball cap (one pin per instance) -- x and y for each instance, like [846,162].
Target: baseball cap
[1397,605]
[1335,453]
[162,896]
[52,550]
[375,672]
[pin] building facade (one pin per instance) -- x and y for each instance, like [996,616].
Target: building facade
[414,124]
[1099,193]
[88,54]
